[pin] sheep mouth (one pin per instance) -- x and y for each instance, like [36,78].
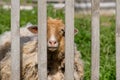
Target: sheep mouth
[52,48]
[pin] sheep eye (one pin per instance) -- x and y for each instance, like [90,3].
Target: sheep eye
[62,32]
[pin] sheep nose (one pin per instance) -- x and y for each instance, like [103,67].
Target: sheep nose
[52,43]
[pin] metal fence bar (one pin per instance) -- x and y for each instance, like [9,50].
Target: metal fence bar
[42,40]
[69,40]
[117,39]
[15,45]
[95,40]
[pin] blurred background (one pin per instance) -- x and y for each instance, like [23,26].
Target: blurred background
[55,9]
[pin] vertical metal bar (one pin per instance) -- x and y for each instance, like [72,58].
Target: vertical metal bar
[95,40]
[15,36]
[42,45]
[69,40]
[117,39]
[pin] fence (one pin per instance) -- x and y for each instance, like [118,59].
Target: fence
[69,40]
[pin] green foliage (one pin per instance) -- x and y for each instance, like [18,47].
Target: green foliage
[4,20]
[82,39]
[55,13]
[107,50]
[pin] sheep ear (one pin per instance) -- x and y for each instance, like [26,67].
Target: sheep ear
[33,29]
[75,31]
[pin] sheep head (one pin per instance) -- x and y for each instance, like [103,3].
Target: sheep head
[55,33]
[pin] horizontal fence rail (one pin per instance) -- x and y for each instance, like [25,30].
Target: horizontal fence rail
[80,1]
[15,46]
[95,40]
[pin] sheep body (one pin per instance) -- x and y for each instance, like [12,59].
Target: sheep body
[5,40]
[30,70]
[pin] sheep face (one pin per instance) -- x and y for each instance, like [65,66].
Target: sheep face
[55,33]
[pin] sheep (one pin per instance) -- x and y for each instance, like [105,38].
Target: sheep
[5,39]
[24,32]
[56,54]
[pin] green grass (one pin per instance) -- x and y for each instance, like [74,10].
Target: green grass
[82,39]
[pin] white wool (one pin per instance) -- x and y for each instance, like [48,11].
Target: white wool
[6,36]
